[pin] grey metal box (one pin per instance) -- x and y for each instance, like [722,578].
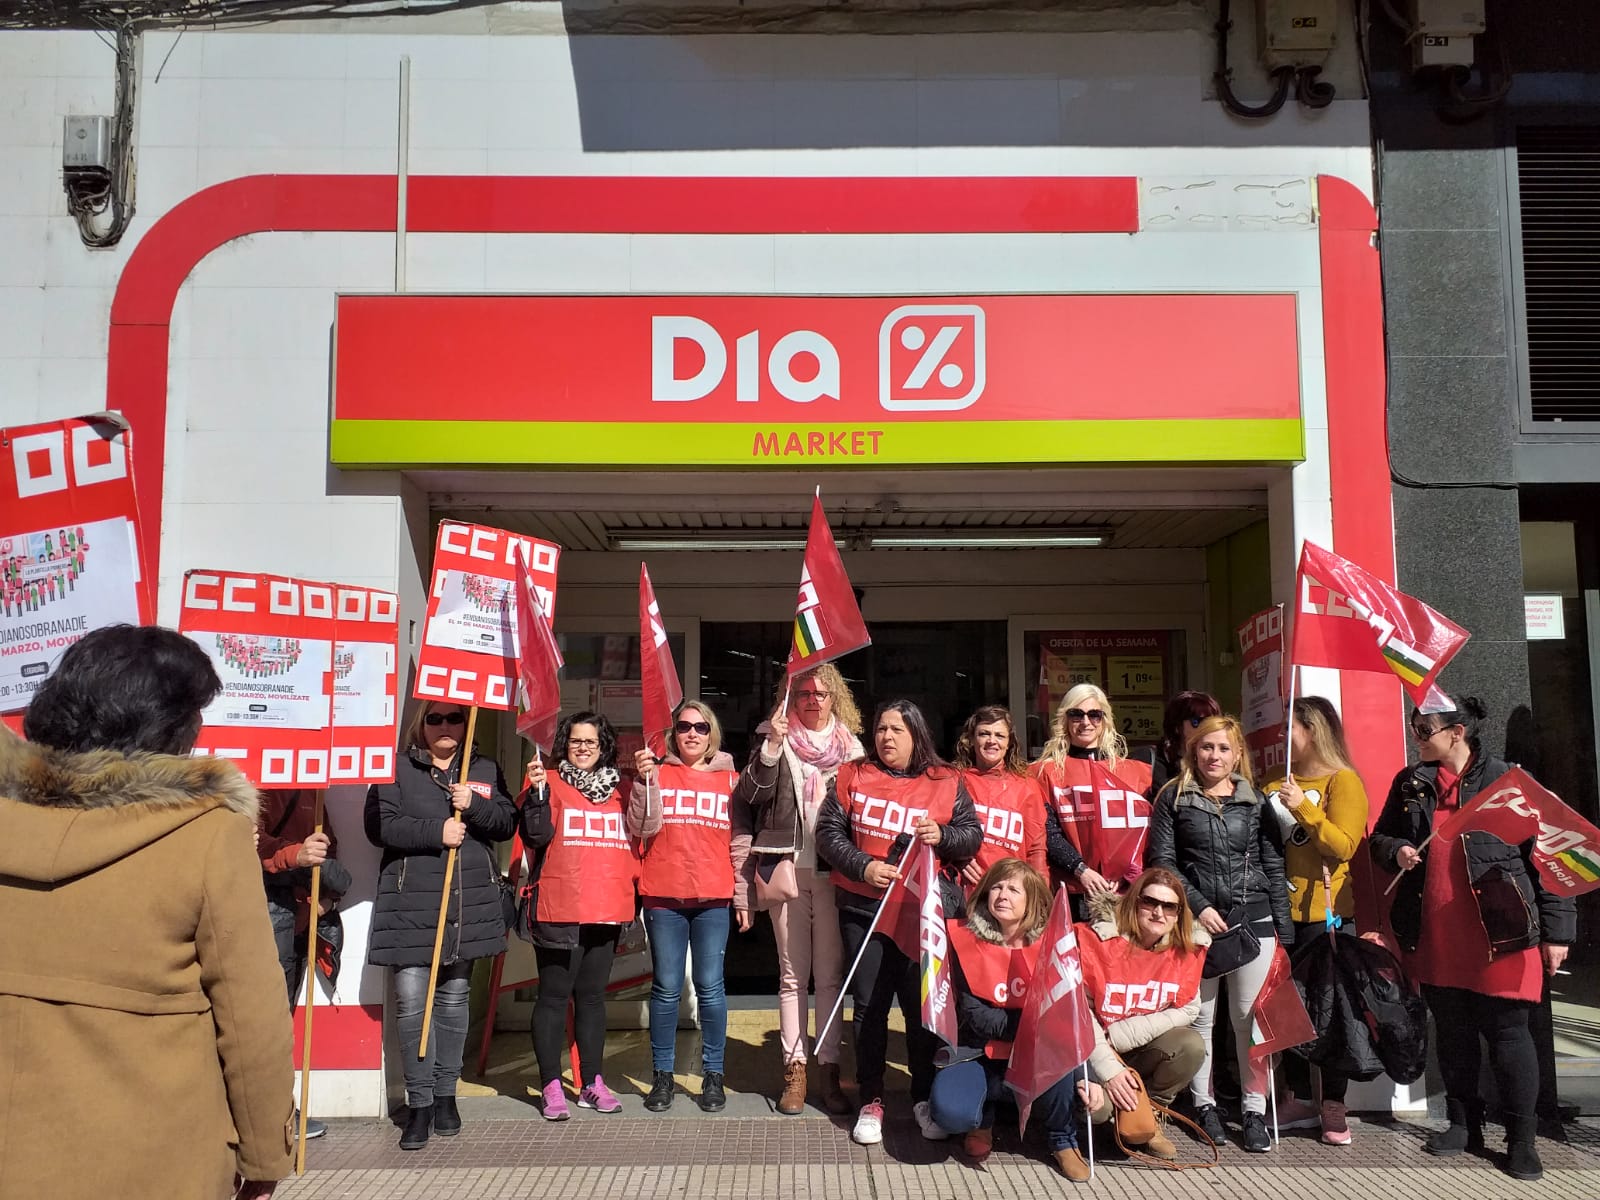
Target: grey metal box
[86,143]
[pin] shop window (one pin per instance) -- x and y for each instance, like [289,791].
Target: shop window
[1138,669]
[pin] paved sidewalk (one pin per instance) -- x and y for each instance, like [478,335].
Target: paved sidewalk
[504,1151]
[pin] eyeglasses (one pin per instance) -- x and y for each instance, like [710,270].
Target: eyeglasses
[1094,715]
[1169,907]
[813,694]
[444,719]
[1422,732]
[583,743]
[700,727]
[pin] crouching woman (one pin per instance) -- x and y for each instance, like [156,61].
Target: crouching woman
[1142,957]
[993,956]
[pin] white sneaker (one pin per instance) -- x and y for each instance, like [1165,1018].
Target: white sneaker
[931,1129]
[869,1125]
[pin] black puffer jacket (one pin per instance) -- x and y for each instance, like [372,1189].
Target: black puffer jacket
[1225,852]
[405,819]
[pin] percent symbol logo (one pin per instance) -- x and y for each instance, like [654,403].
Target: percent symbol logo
[931,358]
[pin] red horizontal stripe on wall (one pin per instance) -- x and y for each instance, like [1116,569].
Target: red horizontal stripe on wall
[344,1037]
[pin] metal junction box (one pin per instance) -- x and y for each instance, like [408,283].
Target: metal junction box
[86,144]
[1296,33]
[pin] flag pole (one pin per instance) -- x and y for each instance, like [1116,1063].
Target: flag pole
[1288,728]
[311,992]
[1395,882]
[1272,1098]
[444,892]
[844,985]
[1088,1122]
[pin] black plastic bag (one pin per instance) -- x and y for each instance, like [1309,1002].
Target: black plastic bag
[1369,1020]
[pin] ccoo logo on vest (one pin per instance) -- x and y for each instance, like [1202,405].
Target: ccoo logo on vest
[1001,826]
[1127,999]
[1116,808]
[686,806]
[930,358]
[590,827]
[887,817]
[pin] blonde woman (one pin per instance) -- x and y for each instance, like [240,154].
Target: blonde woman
[1084,759]
[1210,826]
[1322,813]
[775,814]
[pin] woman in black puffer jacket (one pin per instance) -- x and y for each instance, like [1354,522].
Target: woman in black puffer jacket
[1207,825]
[415,821]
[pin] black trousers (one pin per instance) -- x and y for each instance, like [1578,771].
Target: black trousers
[885,974]
[1462,1019]
[578,975]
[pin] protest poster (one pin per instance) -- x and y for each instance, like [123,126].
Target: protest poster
[366,699]
[1262,712]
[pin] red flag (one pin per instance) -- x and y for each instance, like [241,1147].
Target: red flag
[538,661]
[1279,1018]
[827,619]
[1514,808]
[1056,1032]
[1348,618]
[657,672]
[913,917]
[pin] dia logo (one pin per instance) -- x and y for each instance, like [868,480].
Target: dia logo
[931,358]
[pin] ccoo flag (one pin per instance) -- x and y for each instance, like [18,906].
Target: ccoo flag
[1056,1032]
[658,674]
[827,620]
[1350,619]
[1514,808]
[538,661]
[1278,1020]
[913,918]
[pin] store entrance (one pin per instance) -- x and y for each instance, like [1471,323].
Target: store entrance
[946,668]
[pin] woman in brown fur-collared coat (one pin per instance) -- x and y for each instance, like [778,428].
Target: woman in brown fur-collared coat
[144,1032]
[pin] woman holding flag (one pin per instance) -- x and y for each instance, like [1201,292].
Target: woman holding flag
[995,952]
[1084,760]
[901,792]
[682,809]
[1210,828]
[775,809]
[1474,990]
[585,868]
[1010,803]
[432,806]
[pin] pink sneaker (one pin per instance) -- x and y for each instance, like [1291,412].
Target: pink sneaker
[555,1102]
[1335,1129]
[1297,1114]
[598,1097]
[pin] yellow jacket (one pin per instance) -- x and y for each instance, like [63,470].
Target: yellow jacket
[1326,830]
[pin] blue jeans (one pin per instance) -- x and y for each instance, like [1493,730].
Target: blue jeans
[966,1094]
[674,933]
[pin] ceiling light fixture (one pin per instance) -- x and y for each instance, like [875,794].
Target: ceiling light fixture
[688,540]
[997,539]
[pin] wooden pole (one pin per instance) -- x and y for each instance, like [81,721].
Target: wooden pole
[311,992]
[444,893]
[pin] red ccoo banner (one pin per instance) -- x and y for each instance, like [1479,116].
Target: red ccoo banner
[1261,708]
[366,686]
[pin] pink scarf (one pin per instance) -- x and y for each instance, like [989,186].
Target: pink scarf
[818,762]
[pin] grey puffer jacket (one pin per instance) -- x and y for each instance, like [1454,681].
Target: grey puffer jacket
[1227,855]
[405,819]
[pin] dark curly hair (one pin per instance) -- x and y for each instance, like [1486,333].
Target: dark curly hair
[125,687]
[966,745]
[607,735]
[924,754]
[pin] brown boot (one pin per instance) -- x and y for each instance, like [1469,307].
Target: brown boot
[1161,1145]
[833,1097]
[793,1101]
[1071,1163]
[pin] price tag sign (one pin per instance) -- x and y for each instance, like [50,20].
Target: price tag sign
[1140,720]
[1140,675]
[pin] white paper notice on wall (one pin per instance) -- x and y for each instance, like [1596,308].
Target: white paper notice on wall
[1546,620]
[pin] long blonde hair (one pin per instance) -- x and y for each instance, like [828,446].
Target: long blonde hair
[844,704]
[1111,744]
[1317,716]
[1235,731]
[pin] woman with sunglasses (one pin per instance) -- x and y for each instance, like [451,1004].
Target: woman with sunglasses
[1322,813]
[1209,827]
[900,797]
[994,952]
[682,809]
[1142,957]
[775,812]
[1184,713]
[431,807]
[585,868]
[1087,773]
[1475,990]
[1009,802]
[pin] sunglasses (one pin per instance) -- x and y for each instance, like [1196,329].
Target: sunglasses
[444,719]
[700,727]
[1422,733]
[1170,907]
[1094,715]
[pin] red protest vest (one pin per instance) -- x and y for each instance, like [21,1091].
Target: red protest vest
[1104,815]
[689,858]
[880,807]
[1125,980]
[1011,810]
[590,865]
[995,974]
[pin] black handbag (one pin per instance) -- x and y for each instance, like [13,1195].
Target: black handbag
[1233,948]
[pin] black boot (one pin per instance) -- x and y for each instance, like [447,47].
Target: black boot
[661,1089]
[713,1098]
[446,1119]
[1522,1155]
[1465,1131]
[418,1125]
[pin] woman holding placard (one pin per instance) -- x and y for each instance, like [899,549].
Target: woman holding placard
[585,867]
[432,807]
[683,809]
